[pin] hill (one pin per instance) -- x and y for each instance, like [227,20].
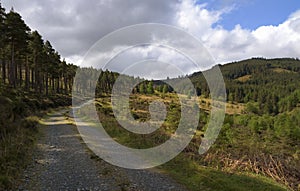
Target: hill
[262,137]
[272,83]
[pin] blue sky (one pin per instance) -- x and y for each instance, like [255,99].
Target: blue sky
[251,14]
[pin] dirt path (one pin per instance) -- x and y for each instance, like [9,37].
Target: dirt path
[63,162]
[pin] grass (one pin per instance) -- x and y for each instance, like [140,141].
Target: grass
[185,168]
[231,108]
[244,78]
[196,177]
[19,116]
[16,149]
[282,70]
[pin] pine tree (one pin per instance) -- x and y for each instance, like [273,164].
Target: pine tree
[37,49]
[2,42]
[165,89]
[49,63]
[150,89]
[17,36]
[142,88]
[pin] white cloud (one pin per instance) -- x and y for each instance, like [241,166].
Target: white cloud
[151,62]
[237,44]
[281,40]
[74,27]
[195,18]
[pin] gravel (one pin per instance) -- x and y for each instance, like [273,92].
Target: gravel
[63,162]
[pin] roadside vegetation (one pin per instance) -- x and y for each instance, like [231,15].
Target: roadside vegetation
[261,132]
[33,79]
[241,159]
[19,117]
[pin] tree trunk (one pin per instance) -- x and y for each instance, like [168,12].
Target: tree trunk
[37,80]
[57,85]
[41,83]
[3,71]
[20,75]
[27,75]
[53,85]
[47,83]
[12,75]
[66,85]
[32,78]
[70,85]
[16,80]
[36,74]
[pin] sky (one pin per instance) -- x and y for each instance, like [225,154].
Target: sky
[230,30]
[251,14]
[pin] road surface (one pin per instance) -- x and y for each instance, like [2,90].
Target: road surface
[63,162]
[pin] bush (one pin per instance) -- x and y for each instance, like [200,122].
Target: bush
[30,122]
[6,109]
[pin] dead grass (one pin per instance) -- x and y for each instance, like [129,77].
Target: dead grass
[231,108]
[244,78]
[281,70]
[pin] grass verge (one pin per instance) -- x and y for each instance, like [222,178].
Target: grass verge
[16,147]
[19,116]
[196,177]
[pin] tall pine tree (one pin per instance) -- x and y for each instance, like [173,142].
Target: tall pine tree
[17,36]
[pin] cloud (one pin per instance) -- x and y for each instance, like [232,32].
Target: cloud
[225,46]
[281,40]
[265,41]
[151,62]
[73,27]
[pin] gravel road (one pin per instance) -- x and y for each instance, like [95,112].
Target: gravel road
[63,162]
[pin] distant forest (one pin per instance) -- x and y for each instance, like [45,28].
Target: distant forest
[267,86]
[272,83]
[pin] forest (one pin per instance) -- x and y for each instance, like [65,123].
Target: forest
[28,61]
[33,78]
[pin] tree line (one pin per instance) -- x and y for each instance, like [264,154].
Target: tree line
[106,79]
[266,86]
[30,62]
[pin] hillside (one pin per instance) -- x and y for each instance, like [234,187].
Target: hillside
[269,82]
[260,133]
